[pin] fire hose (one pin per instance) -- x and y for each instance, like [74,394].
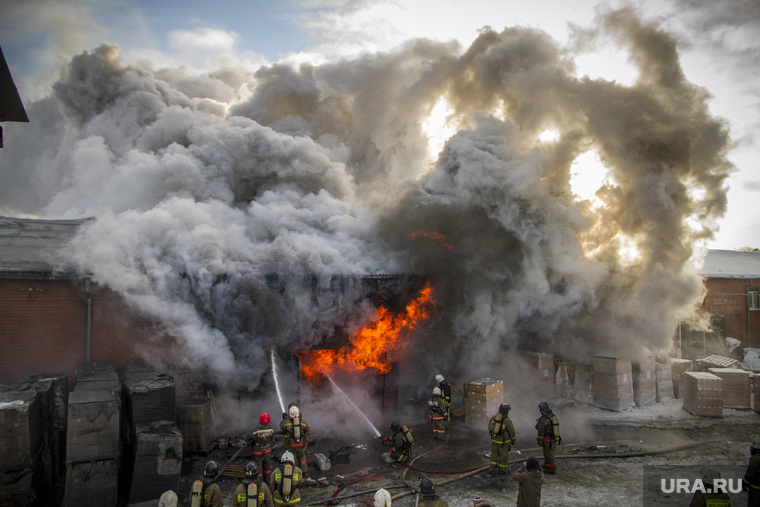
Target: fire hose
[473,471]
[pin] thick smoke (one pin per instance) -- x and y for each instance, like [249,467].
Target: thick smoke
[246,224]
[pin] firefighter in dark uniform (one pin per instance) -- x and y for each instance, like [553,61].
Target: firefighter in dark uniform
[445,394]
[262,446]
[437,414]
[401,442]
[502,433]
[710,498]
[296,435]
[531,479]
[429,497]
[206,492]
[548,436]
[751,480]
[285,481]
[252,491]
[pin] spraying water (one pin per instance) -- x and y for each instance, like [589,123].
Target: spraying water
[277,382]
[375,431]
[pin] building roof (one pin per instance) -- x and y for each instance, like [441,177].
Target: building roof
[731,264]
[11,107]
[29,247]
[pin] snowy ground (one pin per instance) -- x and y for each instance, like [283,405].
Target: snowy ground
[604,481]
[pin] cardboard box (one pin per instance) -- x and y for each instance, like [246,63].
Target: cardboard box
[613,383]
[665,390]
[644,382]
[702,393]
[484,385]
[583,383]
[482,398]
[736,387]
[677,368]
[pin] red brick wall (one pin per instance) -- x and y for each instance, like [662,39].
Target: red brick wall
[727,297]
[45,330]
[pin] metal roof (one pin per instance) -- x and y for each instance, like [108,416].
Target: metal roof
[11,107]
[731,264]
[30,247]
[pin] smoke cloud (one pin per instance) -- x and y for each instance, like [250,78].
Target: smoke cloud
[240,209]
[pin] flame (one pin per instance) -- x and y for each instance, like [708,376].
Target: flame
[376,345]
[440,238]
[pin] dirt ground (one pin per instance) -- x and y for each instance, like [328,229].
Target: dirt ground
[608,459]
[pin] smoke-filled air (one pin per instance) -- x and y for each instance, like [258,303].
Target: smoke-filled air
[241,209]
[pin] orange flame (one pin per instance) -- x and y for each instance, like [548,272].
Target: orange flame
[440,238]
[374,346]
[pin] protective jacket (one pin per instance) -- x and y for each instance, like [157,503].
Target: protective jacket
[209,494]
[751,480]
[262,449]
[529,494]
[710,500]
[402,447]
[247,496]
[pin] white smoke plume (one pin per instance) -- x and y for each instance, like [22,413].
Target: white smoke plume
[241,209]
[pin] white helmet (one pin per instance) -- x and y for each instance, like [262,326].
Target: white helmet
[294,412]
[382,498]
[439,378]
[436,391]
[287,457]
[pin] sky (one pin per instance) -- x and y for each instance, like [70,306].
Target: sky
[558,165]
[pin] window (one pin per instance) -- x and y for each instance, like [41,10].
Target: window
[753,298]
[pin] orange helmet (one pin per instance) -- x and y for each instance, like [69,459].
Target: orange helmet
[264,418]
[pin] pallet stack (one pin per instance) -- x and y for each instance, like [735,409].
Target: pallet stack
[194,418]
[644,382]
[482,398]
[702,393]
[736,387]
[677,368]
[153,444]
[542,373]
[53,392]
[20,444]
[93,436]
[664,374]
[613,383]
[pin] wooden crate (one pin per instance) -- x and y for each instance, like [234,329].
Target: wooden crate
[702,393]
[736,387]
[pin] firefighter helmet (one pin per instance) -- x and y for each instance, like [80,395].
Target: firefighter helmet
[439,378]
[427,487]
[211,469]
[395,426]
[544,407]
[287,457]
[436,391]
[293,412]
[382,498]
[264,419]
[709,474]
[504,408]
[251,470]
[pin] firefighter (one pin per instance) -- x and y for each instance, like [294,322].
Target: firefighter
[252,491]
[437,414]
[262,446]
[296,435]
[547,436]
[206,492]
[401,443]
[285,481]
[382,498]
[429,498]
[709,498]
[751,480]
[503,436]
[445,394]
[530,478]
[168,499]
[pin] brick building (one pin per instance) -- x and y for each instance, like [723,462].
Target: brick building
[53,320]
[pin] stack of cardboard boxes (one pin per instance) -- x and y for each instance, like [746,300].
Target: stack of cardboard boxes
[736,387]
[702,393]
[482,398]
[613,383]
[644,382]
